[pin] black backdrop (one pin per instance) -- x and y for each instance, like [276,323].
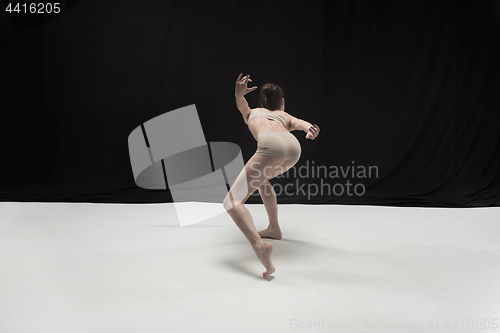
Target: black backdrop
[408,87]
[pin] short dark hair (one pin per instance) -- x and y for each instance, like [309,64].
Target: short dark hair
[270,96]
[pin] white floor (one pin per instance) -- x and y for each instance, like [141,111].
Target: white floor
[74,268]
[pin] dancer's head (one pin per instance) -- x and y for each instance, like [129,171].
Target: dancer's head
[271,97]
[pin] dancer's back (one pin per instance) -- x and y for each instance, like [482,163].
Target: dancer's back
[264,120]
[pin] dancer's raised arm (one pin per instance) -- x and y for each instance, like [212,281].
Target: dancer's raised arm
[311,130]
[240,90]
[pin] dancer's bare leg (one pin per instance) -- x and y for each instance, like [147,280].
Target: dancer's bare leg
[270,201]
[258,169]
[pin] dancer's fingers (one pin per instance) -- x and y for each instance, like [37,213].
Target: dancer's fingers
[239,77]
[313,133]
[315,129]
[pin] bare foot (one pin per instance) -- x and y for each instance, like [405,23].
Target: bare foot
[270,233]
[263,252]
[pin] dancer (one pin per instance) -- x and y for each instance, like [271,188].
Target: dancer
[277,151]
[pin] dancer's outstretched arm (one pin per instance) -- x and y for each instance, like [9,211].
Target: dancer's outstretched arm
[240,90]
[311,131]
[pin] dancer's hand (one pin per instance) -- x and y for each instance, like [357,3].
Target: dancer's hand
[313,132]
[241,88]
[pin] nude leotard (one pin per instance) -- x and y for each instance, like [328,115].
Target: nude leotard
[278,144]
[260,113]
